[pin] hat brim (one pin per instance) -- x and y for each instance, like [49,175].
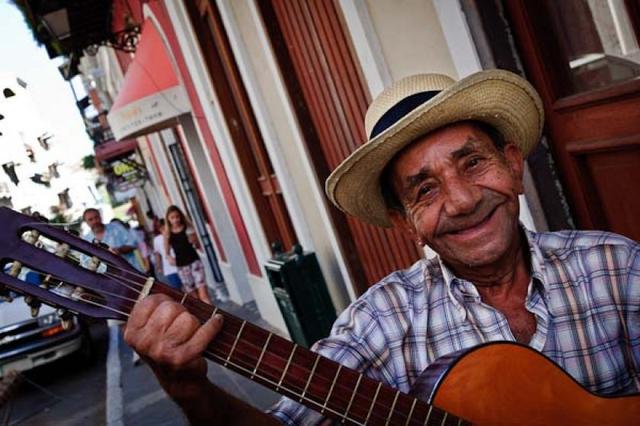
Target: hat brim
[499,98]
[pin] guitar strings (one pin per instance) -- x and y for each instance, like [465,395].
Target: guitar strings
[65,226]
[121,280]
[235,364]
[266,379]
[340,387]
[138,286]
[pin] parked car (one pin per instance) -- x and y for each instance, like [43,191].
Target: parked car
[27,342]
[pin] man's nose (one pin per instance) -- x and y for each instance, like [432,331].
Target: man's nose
[462,197]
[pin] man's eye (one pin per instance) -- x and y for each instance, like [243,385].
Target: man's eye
[473,162]
[424,190]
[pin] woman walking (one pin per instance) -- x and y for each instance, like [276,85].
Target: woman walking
[181,237]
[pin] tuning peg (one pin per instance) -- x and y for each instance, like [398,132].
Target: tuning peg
[31,236]
[5,295]
[34,304]
[62,249]
[66,318]
[46,282]
[93,263]
[15,269]
[77,293]
[35,311]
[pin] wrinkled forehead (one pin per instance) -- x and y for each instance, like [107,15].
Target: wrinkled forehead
[449,142]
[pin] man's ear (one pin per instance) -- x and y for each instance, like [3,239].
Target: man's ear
[515,162]
[401,222]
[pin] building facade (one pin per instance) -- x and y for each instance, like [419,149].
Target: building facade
[241,108]
[38,175]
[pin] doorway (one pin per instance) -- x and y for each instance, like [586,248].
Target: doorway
[583,56]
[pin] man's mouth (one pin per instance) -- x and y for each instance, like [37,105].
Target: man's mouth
[475,226]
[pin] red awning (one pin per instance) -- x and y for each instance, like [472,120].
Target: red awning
[151,96]
[108,150]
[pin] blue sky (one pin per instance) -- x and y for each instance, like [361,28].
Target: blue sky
[19,54]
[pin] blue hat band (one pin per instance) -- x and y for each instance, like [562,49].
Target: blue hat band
[401,109]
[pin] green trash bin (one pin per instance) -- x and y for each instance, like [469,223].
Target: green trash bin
[301,293]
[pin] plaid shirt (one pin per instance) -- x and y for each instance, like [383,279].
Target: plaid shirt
[584,293]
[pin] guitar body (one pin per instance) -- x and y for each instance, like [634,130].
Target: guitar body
[505,383]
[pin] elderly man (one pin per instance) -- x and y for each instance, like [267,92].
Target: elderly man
[444,162]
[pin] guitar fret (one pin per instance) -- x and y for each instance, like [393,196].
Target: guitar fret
[460,421]
[235,343]
[266,379]
[313,370]
[393,406]
[214,312]
[286,368]
[413,406]
[264,349]
[426,421]
[353,395]
[373,402]
[326,400]
[184,296]
[444,419]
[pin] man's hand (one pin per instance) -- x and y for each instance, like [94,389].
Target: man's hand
[172,342]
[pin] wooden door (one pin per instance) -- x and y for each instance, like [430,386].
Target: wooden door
[241,122]
[583,56]
[330,101]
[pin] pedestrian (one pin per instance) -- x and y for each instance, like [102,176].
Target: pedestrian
[444,163]
[166,272]
[180,237]
[142,251]
[113,234]
[120,241]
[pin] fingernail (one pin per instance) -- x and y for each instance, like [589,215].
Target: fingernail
[217,318]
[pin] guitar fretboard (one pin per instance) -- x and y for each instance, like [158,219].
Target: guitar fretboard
[304,376]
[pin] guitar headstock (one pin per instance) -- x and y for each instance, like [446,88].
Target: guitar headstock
[70,273]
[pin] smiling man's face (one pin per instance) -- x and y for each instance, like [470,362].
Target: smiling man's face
[460,194]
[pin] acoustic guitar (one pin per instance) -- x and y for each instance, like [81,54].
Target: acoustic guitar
[500,383]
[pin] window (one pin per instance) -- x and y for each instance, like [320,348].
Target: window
[10,170]
[41,179]
[64,200]
[53,170]
[30,154]
[44,141]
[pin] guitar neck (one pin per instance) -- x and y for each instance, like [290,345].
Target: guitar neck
[319,383]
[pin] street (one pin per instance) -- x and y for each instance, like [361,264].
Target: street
[69,391]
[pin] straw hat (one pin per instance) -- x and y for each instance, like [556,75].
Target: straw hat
[417,105]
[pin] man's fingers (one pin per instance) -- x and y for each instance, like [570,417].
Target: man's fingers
[182,328]
[143,310]
[164,331]
[203,335]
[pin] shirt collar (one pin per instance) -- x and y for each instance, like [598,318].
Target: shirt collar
[536,257]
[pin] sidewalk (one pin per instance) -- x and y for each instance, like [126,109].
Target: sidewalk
[143,402]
